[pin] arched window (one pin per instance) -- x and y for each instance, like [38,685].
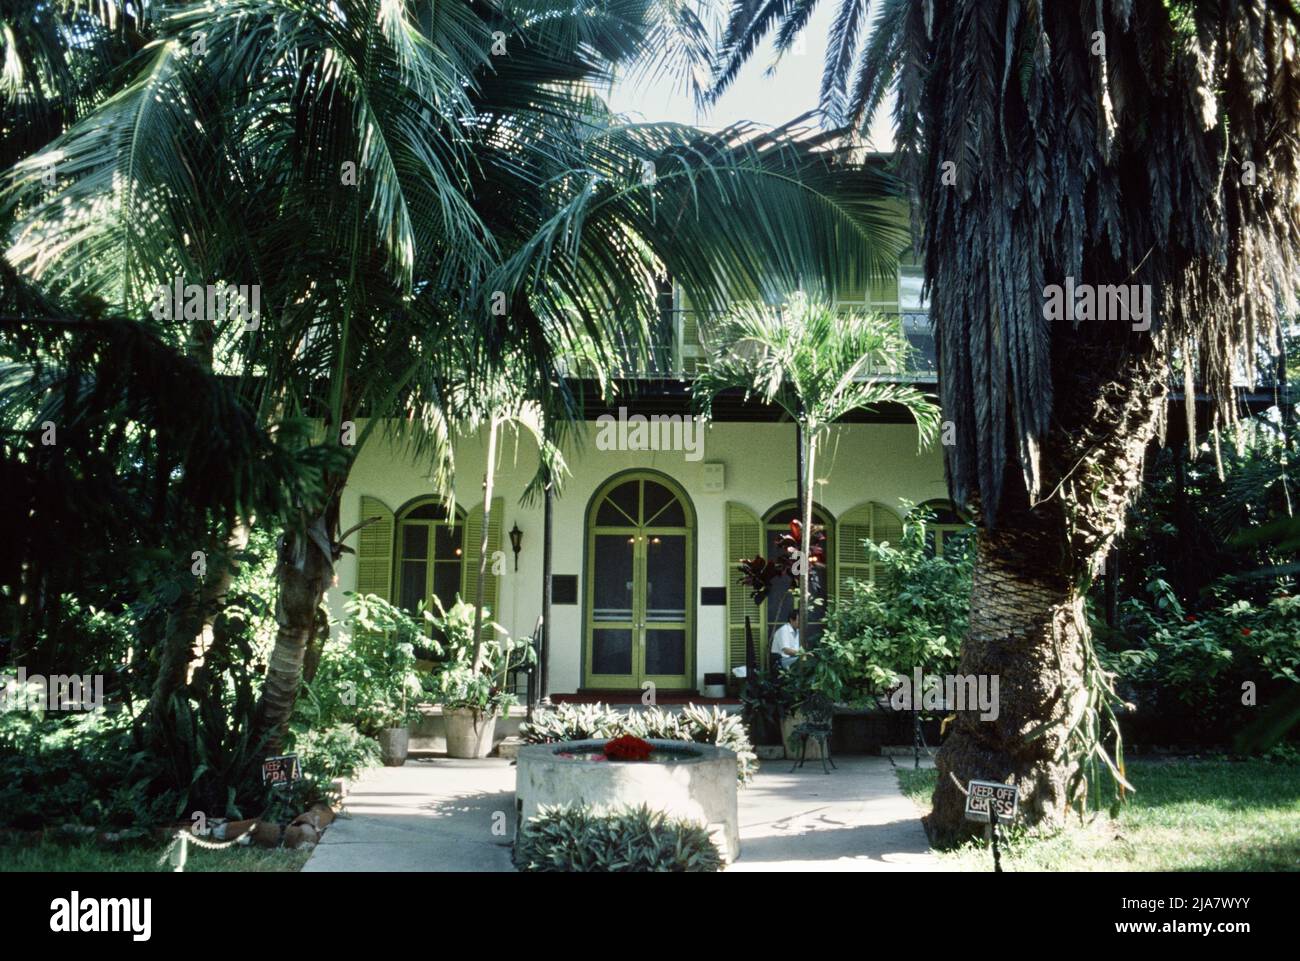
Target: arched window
[430,554]
[946,526]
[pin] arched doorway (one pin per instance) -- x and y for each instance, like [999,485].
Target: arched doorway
[640,584]
[784,594]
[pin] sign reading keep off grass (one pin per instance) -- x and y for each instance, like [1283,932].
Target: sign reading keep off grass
[981,794]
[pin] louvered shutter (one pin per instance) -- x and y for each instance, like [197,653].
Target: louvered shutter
[869,521]
[469,571]
[744,541]
[375,549]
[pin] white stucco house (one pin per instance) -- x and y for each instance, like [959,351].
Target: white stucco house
[644,540]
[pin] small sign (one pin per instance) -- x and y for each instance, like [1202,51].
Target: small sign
[281,769]
[980,794]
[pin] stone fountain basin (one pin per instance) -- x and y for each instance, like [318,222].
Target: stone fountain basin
[697,782]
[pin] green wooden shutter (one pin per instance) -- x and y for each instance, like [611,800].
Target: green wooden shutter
[469,571]
[869,521]
[744,540]
[692,352]
[375,549]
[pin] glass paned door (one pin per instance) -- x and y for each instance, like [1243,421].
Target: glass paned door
[613,609]
[640,618]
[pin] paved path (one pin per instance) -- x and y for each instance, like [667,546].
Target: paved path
[440,814]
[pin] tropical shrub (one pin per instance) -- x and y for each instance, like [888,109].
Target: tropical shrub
[572,722]
[1189,668]
[337,752]
[367,673]
[701,725]
[914,615]
[459,682]
[583,839]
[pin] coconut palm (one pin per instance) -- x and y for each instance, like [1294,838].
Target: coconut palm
[416,211]
[1152,146]
[817,364]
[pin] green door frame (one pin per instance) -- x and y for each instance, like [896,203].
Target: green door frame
[638,625]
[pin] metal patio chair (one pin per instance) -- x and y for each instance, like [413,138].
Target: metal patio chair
[819,714]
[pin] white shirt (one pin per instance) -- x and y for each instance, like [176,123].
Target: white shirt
[785,636]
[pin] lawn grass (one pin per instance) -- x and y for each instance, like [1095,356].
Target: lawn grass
[1187,815]
[72,856]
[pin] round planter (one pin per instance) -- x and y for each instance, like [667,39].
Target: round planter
[394,742]
[700,784]
[469,732]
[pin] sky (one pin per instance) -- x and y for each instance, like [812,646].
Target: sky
[755,96]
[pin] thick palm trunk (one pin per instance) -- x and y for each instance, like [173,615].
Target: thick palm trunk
[1026,628]
[1032,567]
[304,573]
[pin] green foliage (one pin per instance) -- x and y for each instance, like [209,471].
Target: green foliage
[1192,665]
[459,682]
[580,839]
[79,769]
[702,725]
[335,752]
[572,722]
[914,615]
[367,672]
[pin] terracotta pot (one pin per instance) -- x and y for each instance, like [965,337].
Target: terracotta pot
[394,743]
[469,733]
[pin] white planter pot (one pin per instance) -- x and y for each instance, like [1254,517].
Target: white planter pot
[394,742]
[469,733]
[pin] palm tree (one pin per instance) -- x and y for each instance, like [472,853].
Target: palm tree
[1154,147]
[817,364]
[416,212]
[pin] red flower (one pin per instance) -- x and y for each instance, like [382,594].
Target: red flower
[1245,632]
[1190,619]
[628,748]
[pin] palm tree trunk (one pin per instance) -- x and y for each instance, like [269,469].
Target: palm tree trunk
[1026,624]
[1032,569]
[488,478]
[810,443]
[304,573]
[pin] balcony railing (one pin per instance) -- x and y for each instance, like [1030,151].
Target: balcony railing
[683,343]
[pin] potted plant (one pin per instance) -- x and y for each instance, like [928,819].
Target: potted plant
[471,683]
[369,676]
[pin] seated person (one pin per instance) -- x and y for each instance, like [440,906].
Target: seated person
[785,640]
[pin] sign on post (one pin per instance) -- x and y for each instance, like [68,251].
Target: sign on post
[281,770]
[981,794]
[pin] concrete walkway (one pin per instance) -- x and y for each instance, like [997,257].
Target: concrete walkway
[440,814]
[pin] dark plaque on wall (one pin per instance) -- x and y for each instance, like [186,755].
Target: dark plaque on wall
[564,588]
[713,596]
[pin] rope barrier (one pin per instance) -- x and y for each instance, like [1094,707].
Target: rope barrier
[185,837]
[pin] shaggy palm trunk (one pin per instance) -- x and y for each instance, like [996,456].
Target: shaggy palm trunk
[1027,623]
[304,573]
[1026,628]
